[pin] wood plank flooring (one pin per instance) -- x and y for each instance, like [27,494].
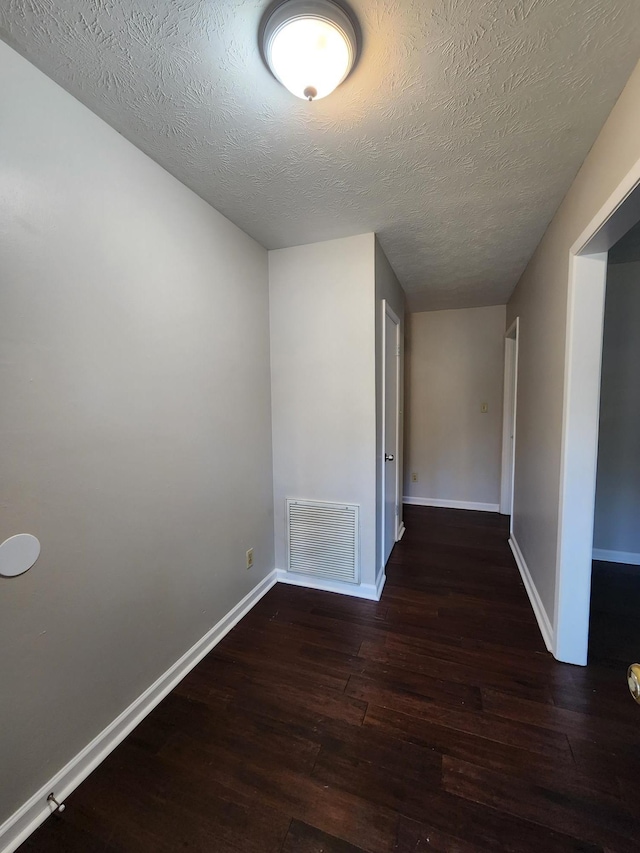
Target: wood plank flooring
[432,720]
[614,626]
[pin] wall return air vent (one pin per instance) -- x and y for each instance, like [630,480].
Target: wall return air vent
[323,540]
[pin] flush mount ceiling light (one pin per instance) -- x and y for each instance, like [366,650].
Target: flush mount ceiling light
[310,46]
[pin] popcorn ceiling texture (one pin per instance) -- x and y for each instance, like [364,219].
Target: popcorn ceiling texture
[454,139]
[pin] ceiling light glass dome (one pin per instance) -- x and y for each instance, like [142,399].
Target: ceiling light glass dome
[310,46]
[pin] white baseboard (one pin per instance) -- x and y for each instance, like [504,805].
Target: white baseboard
[451,504]
[538,608]
[401,531]
[22,823]
[628,557]
[17,828]
[361,590]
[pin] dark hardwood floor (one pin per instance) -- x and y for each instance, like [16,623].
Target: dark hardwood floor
[433,720]
[614,626]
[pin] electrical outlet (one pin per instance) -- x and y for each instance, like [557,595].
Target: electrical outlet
[414,477]
[484,408]
[250,558]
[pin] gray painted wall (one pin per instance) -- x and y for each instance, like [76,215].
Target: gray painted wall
[617,514]
[540,300]
[454,363]
[387,287]
[323,382]
[135,423]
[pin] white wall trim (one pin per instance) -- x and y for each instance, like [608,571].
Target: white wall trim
[509,419]
[579,455]
[17,828]
[585,314]
[23,822]
[544,623]
[401,530]
[361,590]
[387,311]
[628,557]
[451,504]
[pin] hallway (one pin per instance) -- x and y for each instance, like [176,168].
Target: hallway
[432,720]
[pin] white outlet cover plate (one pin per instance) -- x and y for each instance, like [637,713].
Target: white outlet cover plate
[18,554]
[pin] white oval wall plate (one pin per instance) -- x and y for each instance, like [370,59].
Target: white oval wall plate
[18,554]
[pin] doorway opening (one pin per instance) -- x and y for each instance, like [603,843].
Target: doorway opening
[581,411]
[614,628]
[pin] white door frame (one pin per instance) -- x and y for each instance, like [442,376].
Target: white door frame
[581,412]
[510,409]
[387,311]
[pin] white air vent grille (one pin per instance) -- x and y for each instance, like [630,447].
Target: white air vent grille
[323,539]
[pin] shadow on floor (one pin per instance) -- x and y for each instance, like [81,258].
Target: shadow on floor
[614,626]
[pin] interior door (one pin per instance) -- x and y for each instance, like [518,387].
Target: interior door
[390,430]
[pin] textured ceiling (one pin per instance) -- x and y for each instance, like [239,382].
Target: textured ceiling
[455,138]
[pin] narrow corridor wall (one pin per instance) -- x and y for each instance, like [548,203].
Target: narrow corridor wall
[135,423]
[454,365]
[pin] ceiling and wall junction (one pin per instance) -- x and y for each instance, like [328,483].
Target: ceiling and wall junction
[454,139]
